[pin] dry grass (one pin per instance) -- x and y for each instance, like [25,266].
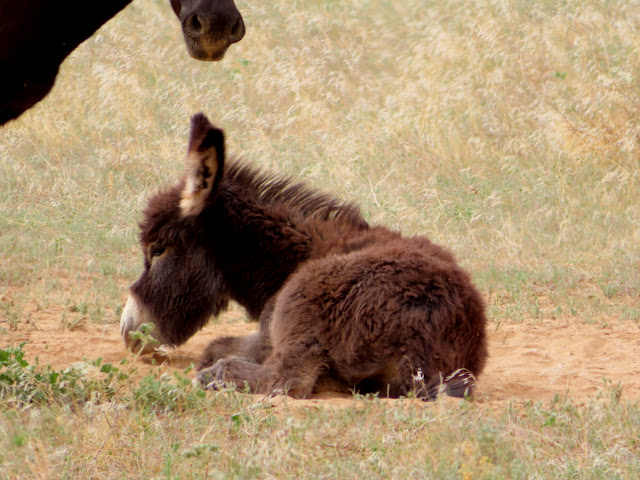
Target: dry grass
[233,435]
[506,130]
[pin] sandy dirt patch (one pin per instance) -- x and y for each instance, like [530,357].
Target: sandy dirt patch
[528,362]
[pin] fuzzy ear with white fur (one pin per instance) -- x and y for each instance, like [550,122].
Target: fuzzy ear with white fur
[203,165]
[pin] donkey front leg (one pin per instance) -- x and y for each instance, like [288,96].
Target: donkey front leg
[239,371]
[291,369]
[254,348]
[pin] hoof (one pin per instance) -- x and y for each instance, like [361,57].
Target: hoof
[211,378]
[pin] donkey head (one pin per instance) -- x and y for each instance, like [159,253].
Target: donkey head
[180,287]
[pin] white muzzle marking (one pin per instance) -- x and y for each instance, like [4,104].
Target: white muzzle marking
[132,317]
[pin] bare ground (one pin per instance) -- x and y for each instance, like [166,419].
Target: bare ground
[528,361]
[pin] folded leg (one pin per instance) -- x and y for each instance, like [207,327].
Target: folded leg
[253,348]
[292,368]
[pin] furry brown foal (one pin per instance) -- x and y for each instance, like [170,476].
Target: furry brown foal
[338,300]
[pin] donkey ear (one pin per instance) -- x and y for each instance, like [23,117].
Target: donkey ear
[203,165]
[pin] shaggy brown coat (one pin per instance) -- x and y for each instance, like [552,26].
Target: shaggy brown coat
[337,300]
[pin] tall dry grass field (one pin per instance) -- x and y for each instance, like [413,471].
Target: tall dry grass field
[508,131]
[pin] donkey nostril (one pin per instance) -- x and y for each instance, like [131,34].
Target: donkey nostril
[194,24]
[125,326]
[237,32]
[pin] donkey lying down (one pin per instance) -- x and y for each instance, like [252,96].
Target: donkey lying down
[338,300]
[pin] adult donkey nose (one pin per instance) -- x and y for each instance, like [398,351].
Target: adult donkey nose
[228,27]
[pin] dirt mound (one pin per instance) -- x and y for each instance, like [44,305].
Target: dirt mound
[527,362]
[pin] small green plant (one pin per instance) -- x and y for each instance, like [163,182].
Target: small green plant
[632,314]
[609,290]
[198,450]
[82,308]
[18,439]
[168,392]
[22,384]
[71,323]
[611,390]
[144,335]
[11,314]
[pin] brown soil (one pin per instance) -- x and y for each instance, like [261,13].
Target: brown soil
[528,362]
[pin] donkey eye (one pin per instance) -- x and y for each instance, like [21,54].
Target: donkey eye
[157,251]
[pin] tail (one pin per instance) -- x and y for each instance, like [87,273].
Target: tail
[460,383]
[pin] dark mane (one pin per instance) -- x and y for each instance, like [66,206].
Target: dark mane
[280,190]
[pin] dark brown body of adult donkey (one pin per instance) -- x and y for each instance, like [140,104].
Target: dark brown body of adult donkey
[37,35]
[337,299]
